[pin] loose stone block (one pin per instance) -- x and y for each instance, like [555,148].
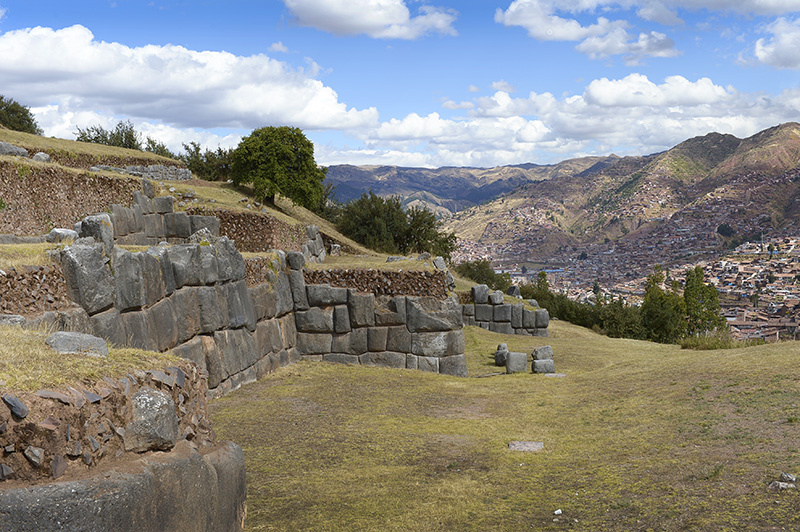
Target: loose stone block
[484,312]
[543,353]
[480,294]
[384,359]
[543,366]
[341,319]
[542,318]
[377,338]
[359,341]
[341,358]
[314,343]
[399,339]
[77,343]
[496,298]
[297,285]
[315,320]
[543,333]
[362,309]
[322,295]
[502,312]
[516,362]
[454,365]
[500,355]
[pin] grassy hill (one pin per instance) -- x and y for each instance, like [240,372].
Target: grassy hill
[637,436]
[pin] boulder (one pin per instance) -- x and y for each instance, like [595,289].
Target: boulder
[500,355]
[516,362]
[58,235]
[514,291]
[439,264]
[543,353]
[155,424]
[77,343]
[10,149]
[88,276]
[295,260]
[543,366]
[480,294]
[41,157]
[454,365]
[496,298]
[100,228]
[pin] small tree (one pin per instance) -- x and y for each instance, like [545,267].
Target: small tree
[18,117]
[124,135]
[279,160]
[378,223]
[663,313]
[702,304]
[481,272]
[209,165]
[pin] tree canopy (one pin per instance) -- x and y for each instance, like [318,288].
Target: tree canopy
[18,117]
[279,160]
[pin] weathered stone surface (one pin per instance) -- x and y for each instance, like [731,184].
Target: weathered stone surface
[359,341]
[516,362]
[298,287]
[429,364]
[119,219]
[288,331]
[501,327]
[163,204]
[240,307]
[237,349]
[528,318]
[295,260]
[526,446]
[362,308]
[341,358]
[468,310]
[399,339]
[341,343]
[455,365]
[212,302]
[58,235]
[167,275]
[100,228]
[315,320]
[209,265]
[542,318]
[192,350]
[341,319]
[155,424]
[395,312]
[154,289]
[543,353]
[320,295]
[543,366]
[283,294]
[185,260]
[430,344]
[199,222]
[427,314]
[480,294]
[16,406]
[163,324]
[10,149]
[544,333]
[516,315]
[314,343]
[144,202]
[128,279]
[187,313]
[137,331]
[496,298]
[502,312]
[77,343]
[484,312]
[88,277]
[385,359]
[154,226]
[500,355]
[35,455]
[12,319]
[377,338]
[514,291]
[412,361]
[41,157]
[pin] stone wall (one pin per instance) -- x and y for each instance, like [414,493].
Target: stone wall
[33,289]
[383,282]
[157,172]
[256,232]
[490,311]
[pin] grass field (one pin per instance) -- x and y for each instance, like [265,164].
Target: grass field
[637,436]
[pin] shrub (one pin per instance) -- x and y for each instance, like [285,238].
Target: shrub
[18,117]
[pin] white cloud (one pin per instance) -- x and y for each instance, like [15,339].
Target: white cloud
[636,90]
[474,88]
[380,19]
[651,44]
[503,85]
[782,49]
[2,13]
[278,47]
[656,11]
[170,84]
[451,105]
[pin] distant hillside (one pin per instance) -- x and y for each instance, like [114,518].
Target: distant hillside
[449,189]
[750,184]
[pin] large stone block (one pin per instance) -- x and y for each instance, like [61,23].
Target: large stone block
[216,371]
[468,310]
[138,219]
[188,317]
[153,281]
[100,228]
[185,260]
[274,338]
[516,315]
[341,319]
[341,343]
[209,266]
[480,294]
[412,361]
[516,362]
[283,293]
[295,260]
[543,333]
[154,226]
[155,423]
[542,318]
[234,262]
[192,350]
[321,295]
[162,325]
[258,297]
[144,202]
[167,275]
[128,279]
[385,359]
[377,338]
[341,358]
[428,314]
[543,366]
[241,312]
[108,325]
[496,298]
[213,307]
[429,364]
[88,277]
[437,344]
[399,339]
[237,350]
[118,220]
[359,341]
[528,318]
[502,312]
[314,343]
[297,284]
[137,331]
[199,222]
[163,204]
[484,312]
[288,331]
[362,308]
[315,320]
[455,365]
[395,312]
[501,327]
[544,352]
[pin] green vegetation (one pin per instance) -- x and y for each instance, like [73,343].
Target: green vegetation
[629,442]
[279,160]
[18,117]
[209,165]
[481,272]
[124,135]
[383,225]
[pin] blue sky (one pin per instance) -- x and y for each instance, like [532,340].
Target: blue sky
[409,82]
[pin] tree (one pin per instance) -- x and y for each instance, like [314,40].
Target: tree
[18,117]
[663,313]
[423,233]
[702,304]
[209,165]
[279,160]
[124,135]
[376,222]
[481,272]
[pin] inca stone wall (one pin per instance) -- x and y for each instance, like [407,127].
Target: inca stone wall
[383,282]
[490,311]
[256,232]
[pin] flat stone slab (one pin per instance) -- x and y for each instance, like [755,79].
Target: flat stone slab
[556,375]
[77,343]
[526,446]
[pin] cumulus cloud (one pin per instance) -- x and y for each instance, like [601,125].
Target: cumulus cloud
[503,85]
[278,47]
[170,84]
[782,49]
[380,19]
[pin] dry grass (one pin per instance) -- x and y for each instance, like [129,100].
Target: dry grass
[17,255]
[28,364]
[637,436]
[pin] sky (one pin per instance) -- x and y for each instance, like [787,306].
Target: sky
[409,82]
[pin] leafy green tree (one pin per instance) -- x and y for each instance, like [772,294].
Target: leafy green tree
[423,233]
[702,304]
[159,148]
[620,320]
[481,272]
[663,312]
[208,165]
[376,222]
[18,117]
[124,135]
[279,160]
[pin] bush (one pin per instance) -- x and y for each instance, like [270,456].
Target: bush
[18,117]
[124,135]
[720,339]
[481,272]
[208,165]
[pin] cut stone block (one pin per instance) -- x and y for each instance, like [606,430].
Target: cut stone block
[516,362]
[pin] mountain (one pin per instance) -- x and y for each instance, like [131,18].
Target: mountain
[449,189]
[646,203]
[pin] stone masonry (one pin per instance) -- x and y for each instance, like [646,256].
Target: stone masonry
[490,311]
